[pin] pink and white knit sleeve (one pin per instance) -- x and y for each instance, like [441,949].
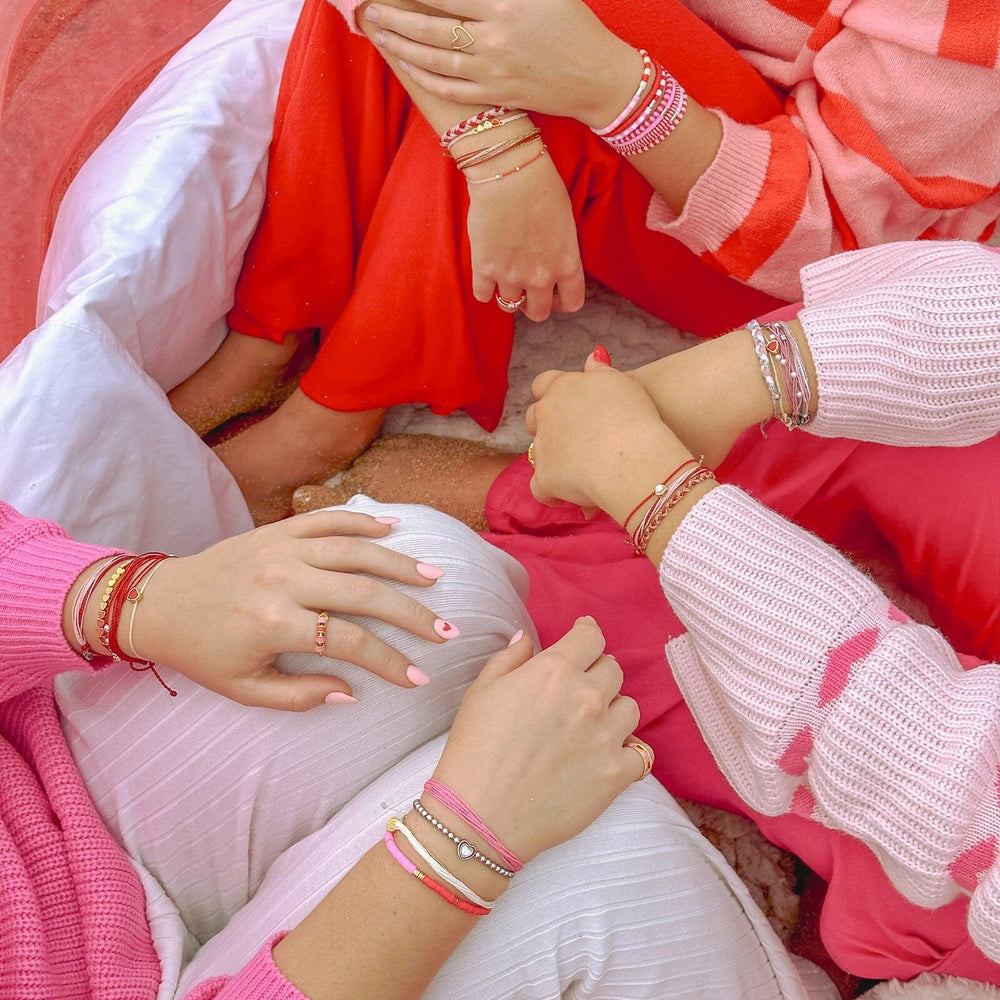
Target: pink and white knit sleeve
[819,697]
[906,343]
[890,130]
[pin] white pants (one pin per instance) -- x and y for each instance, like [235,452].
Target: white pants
[239,820]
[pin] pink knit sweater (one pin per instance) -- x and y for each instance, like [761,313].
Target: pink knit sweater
[816,695]
[890,132]
[72,911]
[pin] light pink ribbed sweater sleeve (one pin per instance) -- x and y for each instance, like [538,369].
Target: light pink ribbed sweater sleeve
[817,695]
[887,135]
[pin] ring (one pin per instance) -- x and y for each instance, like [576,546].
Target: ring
[645,753]
[531,454]
[511,307]
[320,645]
[469,40]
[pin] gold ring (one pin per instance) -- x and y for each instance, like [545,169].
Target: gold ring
[469,40]
[531,454]
[645,753]
[508,306]
[320,644]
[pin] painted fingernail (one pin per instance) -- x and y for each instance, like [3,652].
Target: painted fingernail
[600,353]
[404,66]
[516,637]
[340,698]
[445,629]
[387,520]
[429,572]
[416,676]
[380,38]
[371,14]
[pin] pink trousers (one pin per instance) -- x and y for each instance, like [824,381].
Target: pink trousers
[930,516]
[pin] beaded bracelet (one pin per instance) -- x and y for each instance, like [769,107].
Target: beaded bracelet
[665,504]
[395,823]
[80,606]
[493,115]
[509,173]
[485,126]
[783,371]
[446,894]
[103,628]
[465,850]
[647,71]
[454,802]
[123,589]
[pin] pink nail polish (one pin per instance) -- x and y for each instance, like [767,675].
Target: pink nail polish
[340,698]
[516,637]
[416,676]
[445,629]
[387,520]
[429,572]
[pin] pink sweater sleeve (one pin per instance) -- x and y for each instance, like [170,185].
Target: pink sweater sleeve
[258,980]
[817,695]
[38,564]
[822,699]
[889,134]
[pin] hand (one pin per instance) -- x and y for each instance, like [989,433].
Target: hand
[590,428]
[524,240]
[222,617]
[551,56]
[537,746]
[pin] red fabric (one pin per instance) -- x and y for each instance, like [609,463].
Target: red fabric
[363,233]
[867,500]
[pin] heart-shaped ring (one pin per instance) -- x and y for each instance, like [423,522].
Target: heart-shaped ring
[457,32]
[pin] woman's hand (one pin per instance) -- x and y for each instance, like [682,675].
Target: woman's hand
[537,746]
[551,56]
[590,430]
[524,240]
[222,617]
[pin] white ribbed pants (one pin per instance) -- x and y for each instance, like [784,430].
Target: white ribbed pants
[239,820]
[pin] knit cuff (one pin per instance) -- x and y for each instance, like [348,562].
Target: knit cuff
[260,979]
[36,574]
[906,343]
[723,196]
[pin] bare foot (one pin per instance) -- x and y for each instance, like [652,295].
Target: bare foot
[448,474]
[301,440]
[244,374]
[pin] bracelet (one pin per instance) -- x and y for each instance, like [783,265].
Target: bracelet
[141,589]
[491,152]
[126,590]
[411,869]
[647,70]
[103,628]
[494,116]
[666,503]
[465,850]
[507,173]
[395,823]
[658,491]
[784,373]
[760,348]
[485,126]
[454,802]
[80,606]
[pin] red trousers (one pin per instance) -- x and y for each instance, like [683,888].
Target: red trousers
[891,505]
[363,233]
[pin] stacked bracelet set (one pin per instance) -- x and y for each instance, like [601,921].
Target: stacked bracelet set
[468,901]
[784,372]
[655,110]
[665,496]
[486,121]
[123,589]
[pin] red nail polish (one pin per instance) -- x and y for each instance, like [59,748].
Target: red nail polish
[600,353]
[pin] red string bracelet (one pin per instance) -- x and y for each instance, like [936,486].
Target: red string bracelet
[660,488]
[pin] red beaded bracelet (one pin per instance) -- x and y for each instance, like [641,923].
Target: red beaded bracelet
[446,894]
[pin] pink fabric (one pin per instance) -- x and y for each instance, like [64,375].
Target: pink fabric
[72,908]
